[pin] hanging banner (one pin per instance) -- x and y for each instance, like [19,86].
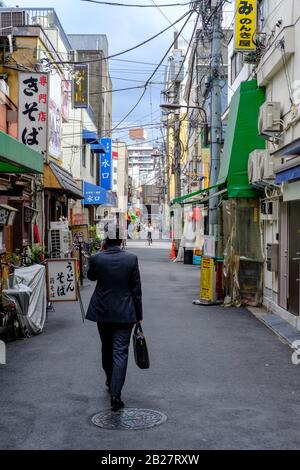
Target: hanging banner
[33,110]
[105,164]
[207,280]
[245,25]
[81,86]
[55,116]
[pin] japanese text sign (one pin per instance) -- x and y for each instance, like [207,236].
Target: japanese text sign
[81,86]
[33,110]
[245,25]
[62,280]
[105,164]
[207,280]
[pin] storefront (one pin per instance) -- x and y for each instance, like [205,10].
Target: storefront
[60,187]
[288,176]
[18,165]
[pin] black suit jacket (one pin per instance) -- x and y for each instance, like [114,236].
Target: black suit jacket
[118,295]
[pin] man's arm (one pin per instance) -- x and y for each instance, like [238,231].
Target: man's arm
[136,289]
[91,274]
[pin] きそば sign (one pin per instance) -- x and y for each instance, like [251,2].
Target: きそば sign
[245,25]
[33,110]
[62,280]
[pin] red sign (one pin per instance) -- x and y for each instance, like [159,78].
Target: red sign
[78,219]
[115,155]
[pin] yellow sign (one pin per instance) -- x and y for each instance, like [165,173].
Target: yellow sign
[81,86]
[207,279]
[245,25]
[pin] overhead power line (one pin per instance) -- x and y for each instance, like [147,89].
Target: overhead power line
[189,14]
[136,5]
[100,59]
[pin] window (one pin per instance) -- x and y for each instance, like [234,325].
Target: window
[236,65]
[92,169]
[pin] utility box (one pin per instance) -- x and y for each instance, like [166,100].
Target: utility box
[272,257]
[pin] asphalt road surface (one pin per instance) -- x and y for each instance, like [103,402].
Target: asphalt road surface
[223,379]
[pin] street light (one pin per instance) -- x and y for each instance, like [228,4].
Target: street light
[174,107]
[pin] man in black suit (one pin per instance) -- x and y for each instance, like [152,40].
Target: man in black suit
[116,306]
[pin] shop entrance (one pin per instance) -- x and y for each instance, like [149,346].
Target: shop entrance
[294,257]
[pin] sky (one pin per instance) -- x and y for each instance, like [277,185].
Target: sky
[124,27]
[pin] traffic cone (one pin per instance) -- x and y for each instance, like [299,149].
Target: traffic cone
[173,253]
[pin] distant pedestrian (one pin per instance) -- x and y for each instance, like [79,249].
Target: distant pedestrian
[116,306]
[149,233]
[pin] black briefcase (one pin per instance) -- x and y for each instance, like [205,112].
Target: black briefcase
[141,355]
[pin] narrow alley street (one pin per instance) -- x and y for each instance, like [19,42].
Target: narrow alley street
[222,378]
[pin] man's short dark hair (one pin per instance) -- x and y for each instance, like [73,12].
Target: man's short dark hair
[113,242]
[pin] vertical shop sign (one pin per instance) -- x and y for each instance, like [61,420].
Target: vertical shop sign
[245,25]
[106,164]
[81,86]
[33,110]
[55,116]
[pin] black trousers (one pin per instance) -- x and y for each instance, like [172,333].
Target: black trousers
[115,338]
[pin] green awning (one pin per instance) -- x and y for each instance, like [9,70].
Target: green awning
[190,195]
[16,157]
[241,139]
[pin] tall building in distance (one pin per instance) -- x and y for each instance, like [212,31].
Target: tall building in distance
[140,157]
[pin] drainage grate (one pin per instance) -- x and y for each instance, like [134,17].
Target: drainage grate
[129,419]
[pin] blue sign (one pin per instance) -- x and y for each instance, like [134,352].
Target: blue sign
[106,164]
[94,195]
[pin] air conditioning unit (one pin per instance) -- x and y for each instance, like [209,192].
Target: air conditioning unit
[269,210]
[254,166]
[267,167]
[269,118]
[260,168]
[60,242]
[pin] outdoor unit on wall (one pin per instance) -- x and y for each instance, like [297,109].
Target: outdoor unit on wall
[269,118]
[60,242]
[260,168]
[267,167]
[269,210]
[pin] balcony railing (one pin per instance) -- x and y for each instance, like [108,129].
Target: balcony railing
[43,17]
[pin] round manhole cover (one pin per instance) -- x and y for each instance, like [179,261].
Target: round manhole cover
[129,418]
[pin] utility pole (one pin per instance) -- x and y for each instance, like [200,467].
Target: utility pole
[216,112]
[177,149]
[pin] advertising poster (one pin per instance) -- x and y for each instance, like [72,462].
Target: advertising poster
[55,116]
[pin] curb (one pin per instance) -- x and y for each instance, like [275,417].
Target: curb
[281,328]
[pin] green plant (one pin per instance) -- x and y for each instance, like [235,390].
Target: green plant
[37,254]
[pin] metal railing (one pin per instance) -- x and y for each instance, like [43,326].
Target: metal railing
[43,17]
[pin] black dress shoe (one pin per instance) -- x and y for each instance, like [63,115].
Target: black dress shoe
[116,404]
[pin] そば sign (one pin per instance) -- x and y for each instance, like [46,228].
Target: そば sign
[33,110]
[62,280]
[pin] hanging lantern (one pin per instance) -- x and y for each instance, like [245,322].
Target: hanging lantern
[197,214]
